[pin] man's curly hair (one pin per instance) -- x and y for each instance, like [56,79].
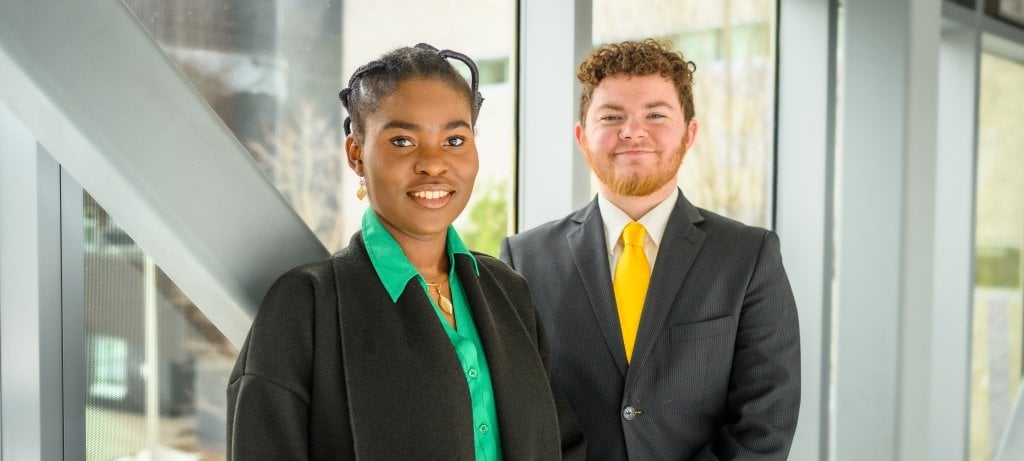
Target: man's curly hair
[637,59]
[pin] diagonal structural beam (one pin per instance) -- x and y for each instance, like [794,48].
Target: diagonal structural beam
[111,108]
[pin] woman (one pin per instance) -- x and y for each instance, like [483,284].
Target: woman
[404,345]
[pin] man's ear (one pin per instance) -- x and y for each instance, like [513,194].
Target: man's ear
[354,152]
[581,137]
[691,132]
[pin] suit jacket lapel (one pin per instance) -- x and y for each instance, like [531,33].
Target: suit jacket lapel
[590,254]
[678,250]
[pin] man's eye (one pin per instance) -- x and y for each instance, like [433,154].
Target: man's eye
[455,141]
[401,142]
[656,116]
[610,118]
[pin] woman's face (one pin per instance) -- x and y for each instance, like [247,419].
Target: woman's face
[419,158]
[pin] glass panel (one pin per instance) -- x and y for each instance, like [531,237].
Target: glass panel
[966,3]
[998,294]
[729,169]
[1011,11]
[272,71]
[138,325]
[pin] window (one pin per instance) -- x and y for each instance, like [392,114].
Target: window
[999,240]
[272,71]
[729,169]
[156,368]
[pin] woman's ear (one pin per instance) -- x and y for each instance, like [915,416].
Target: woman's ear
[354,152]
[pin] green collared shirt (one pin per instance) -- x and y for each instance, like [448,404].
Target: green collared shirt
[394,270]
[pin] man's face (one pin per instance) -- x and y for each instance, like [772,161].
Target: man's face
[636,134]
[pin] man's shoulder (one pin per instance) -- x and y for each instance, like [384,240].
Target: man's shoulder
[544,233]
[715,224]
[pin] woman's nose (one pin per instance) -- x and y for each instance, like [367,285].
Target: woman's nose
[432,161]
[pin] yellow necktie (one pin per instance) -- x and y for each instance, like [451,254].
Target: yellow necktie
[632,275]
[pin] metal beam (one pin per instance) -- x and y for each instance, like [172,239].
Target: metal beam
[93,87]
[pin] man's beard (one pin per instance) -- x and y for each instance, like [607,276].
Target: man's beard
[637,184]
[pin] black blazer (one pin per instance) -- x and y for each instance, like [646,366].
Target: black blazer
[333,369]
[716,364]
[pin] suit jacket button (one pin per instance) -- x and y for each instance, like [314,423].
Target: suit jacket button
[629,413]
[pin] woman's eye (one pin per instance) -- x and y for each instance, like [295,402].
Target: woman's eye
[401,142]
[455,141]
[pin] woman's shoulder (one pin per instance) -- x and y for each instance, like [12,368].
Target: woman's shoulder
[497,267]
[323,270]
[310,272]
[513,284]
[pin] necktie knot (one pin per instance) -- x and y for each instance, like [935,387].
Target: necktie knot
[633,234]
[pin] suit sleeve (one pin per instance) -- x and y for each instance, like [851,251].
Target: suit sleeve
[573,443]
[574,446]
[268,393]
[764,391]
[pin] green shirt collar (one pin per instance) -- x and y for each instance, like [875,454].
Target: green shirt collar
[393,268]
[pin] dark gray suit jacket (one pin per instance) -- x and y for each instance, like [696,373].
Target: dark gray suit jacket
[716,365]
[333,369]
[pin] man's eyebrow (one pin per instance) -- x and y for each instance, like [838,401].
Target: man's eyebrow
[610,106]
[650,105]
[654,104]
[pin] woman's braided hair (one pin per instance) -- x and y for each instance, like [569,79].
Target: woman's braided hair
[376,80]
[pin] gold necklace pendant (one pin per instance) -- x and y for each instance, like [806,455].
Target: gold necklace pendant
[442,302]
[445,304]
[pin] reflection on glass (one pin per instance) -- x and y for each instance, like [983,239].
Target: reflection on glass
[272,71]
[966,3]
[998,293]
[179,414]
[1011,11]
[729,169]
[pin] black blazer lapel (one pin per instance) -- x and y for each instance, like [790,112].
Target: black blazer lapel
[678,250]
[590,254]
[522,394]
[406,389]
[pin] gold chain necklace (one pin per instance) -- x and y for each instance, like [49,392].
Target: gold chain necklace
[444,303]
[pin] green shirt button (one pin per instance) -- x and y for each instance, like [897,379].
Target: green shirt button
[473,373]
[484,428]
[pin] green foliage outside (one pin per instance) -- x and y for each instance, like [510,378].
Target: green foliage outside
[997,267]
[488,218]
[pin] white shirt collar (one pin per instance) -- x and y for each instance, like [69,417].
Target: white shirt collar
[654,221]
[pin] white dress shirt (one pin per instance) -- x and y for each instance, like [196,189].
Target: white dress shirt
[654,222]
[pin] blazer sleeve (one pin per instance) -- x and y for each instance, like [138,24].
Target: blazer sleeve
[268,392]
[764,391]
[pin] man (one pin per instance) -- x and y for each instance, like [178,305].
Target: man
[698,358]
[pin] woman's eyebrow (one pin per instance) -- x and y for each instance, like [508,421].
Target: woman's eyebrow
[401,125]
[409,126]
[457,124]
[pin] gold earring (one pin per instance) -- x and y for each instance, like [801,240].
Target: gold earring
[361,191]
